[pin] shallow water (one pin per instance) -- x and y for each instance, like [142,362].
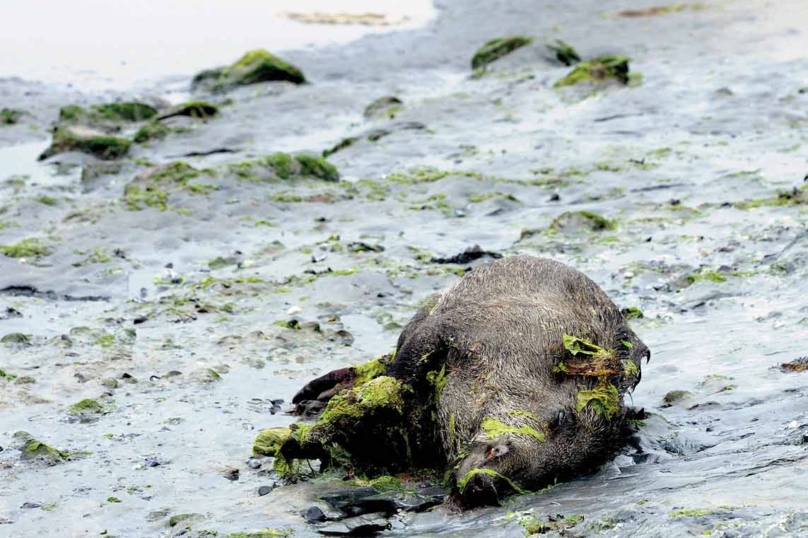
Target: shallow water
[719,118]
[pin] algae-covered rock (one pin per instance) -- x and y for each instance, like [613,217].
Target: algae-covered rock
[151,131]
[153,187]
[282,166]
[193,109]
[575,221]
[564,52]
[598,70]
[497,48]
[37,450]
[384,107]
[254,67]
[16,339]
[126,111]
[86,140]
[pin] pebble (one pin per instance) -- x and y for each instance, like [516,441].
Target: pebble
[254,463]
[28,505]
[313,514]
[264,490]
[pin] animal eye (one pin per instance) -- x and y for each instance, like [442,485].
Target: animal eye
[496,451]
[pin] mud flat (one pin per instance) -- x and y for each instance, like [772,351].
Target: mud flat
[146,294]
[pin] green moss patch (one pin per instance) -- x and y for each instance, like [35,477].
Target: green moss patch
[581,220]
[10,116]
[27,248]
[201,110]
[660,10]
[581,346]
[87,406]
[369,370]
[383,107]
[86,140]
[269,442]
[282,166]
[598,70]
[317,167]
[497,48]
[16,339]
[152,189]
[151,131]
[632,312]
[254,67]
[126,111]
[494,429]
[463,482]
[603,399]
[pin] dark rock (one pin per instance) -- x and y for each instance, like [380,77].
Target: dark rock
[468,256]
[357,526]
[313,514]
[387,106]
[359,246]
[254,463]
[347,497]
[231,474]
[265,490]
[29,505]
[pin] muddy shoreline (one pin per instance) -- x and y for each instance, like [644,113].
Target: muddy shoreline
[692,168]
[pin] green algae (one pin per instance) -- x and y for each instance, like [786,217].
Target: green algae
[96,143]
[564,52]
[201,110]
[576,346]
[597,70]
[317,167]
[113,500]
[369,370]
[463,482]
[494,429]
[661,10]
[125,111]
[152,131]
[603,399]
[253,67]
[34,449]
[438,379]
[16,339]
[495,49]
[10,116]
[27,248]
[632,312]
[87,406]
[269,442]
[281,163]
[173,521]
[592,221]
[705,275]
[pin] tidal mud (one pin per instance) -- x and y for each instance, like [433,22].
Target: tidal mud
[187,316]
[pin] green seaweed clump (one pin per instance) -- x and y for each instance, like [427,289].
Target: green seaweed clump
[317,167]
[269,442]
[564,52]
[383,107]
[254,67]
[27,248]
[632,312]
[201,110]
[87,406]
[34,449]
[16,339]
[86,140]
[152,188]
[10,116]
[576,346]
[574,220]
[369,370]
[497,48]
[603,399]
[597,70]
[151,131]
[128,111]
[463,482]
[494,429]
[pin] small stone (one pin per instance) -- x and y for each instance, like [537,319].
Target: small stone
[313,514]
[232,474]
[264,490]
[254,463]
[29,505]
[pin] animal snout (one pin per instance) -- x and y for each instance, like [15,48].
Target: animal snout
[481,489]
